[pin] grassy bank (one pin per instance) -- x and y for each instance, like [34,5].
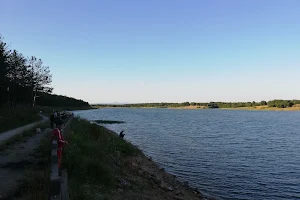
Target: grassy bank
[103,166]
[17,117]
[20,116]
[92,160]
[23,136]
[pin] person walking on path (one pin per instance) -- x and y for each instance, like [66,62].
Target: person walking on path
[61,142]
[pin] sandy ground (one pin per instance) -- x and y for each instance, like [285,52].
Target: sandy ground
[294,108]
[13,162]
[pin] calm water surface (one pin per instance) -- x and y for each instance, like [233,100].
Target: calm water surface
[227,154]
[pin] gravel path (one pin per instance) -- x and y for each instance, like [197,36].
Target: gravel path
[13,162]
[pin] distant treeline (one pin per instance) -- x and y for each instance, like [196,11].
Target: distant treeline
[25,81]
[273,103]
[53,100]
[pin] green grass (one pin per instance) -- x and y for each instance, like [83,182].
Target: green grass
[92,158]
[22,137]
[14,118]
[108,122]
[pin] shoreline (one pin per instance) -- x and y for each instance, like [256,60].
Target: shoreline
[159,171]
[128,174]
[257,108]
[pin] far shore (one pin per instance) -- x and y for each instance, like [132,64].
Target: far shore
[294,108]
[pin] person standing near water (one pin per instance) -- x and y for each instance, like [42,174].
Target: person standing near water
[122,134]
[61,142]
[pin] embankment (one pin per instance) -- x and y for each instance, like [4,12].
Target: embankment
[103,166]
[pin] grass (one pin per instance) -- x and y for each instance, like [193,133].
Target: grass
[108,122]
[17,117]
[23,136]
[92,159]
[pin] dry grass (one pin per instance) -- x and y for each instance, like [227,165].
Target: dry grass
[294,108]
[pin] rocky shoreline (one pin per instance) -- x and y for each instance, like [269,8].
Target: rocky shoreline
[101,165]
[159,184]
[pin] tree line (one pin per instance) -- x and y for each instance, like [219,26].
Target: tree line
[53,100]
[26,80]
[273,103]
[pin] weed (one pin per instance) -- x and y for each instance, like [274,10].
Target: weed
[92,158]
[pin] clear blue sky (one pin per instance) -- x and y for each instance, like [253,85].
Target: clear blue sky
[161,50]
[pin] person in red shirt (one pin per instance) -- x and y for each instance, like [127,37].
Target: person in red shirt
[61,142]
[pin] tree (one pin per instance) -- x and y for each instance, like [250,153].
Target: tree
[21,78]
[4,53]
[263,103]
[39,78]
[16,74]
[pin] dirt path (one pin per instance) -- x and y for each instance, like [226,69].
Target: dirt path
[13,163]
[6,135]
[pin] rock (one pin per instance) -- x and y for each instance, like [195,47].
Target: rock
[134,164]
[196,191]
[38,130]
[124,183]
[165,187]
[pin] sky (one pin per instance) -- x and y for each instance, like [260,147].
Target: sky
[134,51]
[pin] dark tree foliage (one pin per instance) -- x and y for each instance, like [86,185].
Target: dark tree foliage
[45,99]
[4,54]
[212,105]
[281,103]
[23,81]
[21,77]
[263,103]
